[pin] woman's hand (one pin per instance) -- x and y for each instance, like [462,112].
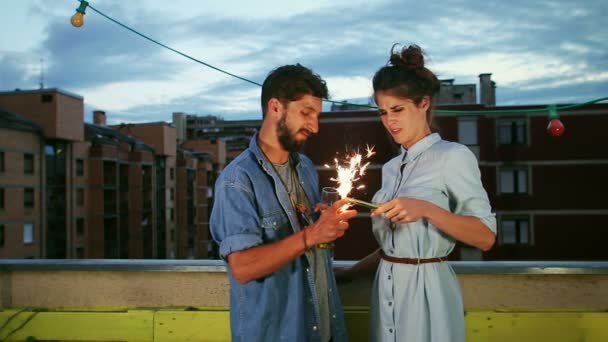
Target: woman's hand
[403,210]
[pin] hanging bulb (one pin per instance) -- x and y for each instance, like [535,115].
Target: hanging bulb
[78,17]
[556,128]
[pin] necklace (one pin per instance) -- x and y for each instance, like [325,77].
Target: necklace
[288,177]
[292,187]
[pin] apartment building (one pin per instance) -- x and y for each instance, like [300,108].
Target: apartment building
[59,116]
[80,190]
[21,187]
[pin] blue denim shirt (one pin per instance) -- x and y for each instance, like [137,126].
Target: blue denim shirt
[252,208]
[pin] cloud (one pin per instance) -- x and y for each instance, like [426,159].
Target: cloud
[550,50]
[14,72]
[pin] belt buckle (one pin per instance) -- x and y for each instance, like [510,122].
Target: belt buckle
[418,262]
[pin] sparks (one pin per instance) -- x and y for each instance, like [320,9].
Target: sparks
[370,151]
[350,173]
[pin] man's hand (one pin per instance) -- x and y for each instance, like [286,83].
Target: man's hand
[332,224]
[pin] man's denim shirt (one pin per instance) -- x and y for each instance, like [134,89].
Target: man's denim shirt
[252,208]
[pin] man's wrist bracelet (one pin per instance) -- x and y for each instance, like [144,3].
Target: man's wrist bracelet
[306,247]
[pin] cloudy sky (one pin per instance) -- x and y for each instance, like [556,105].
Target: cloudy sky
[539,52]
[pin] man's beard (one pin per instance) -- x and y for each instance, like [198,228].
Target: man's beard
[287,139]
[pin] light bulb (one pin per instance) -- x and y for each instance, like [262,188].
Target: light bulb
[556,128]
[77,19]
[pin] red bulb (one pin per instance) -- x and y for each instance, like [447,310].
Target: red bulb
[556,128]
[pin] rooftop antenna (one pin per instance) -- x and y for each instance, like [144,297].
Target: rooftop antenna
[41,73]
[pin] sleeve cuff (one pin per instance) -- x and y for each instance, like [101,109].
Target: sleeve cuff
[237,243]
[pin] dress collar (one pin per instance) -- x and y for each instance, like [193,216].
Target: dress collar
[419,147]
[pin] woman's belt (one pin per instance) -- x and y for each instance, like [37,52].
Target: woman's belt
[411,261]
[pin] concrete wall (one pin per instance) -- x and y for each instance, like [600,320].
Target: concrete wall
[86,285]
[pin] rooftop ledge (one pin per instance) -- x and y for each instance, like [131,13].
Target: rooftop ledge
[94,283]
[460,267]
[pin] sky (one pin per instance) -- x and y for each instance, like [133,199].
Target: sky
[538,52]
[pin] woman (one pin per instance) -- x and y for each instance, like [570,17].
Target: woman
[431,197]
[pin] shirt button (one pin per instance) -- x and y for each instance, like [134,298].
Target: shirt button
[333,316]
[314,328]
[389,277]
[391,251]
[307,270]
[390,330]
[390,303]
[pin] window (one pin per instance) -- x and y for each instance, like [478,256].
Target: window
[28,163]
[1,235]
[513,181]
[1,198]
[46,98]
[515,231]
[79,167]
[171,173]
[80,197]
[80,227]
[172,194]
[467,131]
[1,161]
[28,197]
[172,214]
[512,132]
[79,253]
[28,233]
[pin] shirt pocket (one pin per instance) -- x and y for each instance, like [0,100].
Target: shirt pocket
[275,226]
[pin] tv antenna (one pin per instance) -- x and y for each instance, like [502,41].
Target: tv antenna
[41,73]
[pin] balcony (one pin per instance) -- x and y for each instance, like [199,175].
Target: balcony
[187,300]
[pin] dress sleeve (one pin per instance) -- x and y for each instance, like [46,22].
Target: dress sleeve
[235,223]
[462,180]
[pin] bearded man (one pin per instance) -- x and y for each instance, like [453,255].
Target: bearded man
[282,287]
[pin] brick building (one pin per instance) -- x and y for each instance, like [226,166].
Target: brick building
[81,190]
[21,172]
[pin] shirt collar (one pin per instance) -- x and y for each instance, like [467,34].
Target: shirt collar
[261,158]
[419,147]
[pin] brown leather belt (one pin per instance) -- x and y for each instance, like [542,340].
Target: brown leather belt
[411,261]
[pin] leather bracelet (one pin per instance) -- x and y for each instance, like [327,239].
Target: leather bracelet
[304,239]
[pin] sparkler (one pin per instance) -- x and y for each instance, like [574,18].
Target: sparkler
[349,174]
[362,203]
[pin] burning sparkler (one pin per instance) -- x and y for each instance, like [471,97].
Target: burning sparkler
[350,173]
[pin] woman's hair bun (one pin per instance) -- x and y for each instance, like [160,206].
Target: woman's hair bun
[409,57]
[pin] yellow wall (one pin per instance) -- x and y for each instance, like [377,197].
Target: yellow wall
[213,324]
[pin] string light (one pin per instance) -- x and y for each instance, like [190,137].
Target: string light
[77,19]
[555,128]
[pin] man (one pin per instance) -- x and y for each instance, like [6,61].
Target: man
[282,287]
